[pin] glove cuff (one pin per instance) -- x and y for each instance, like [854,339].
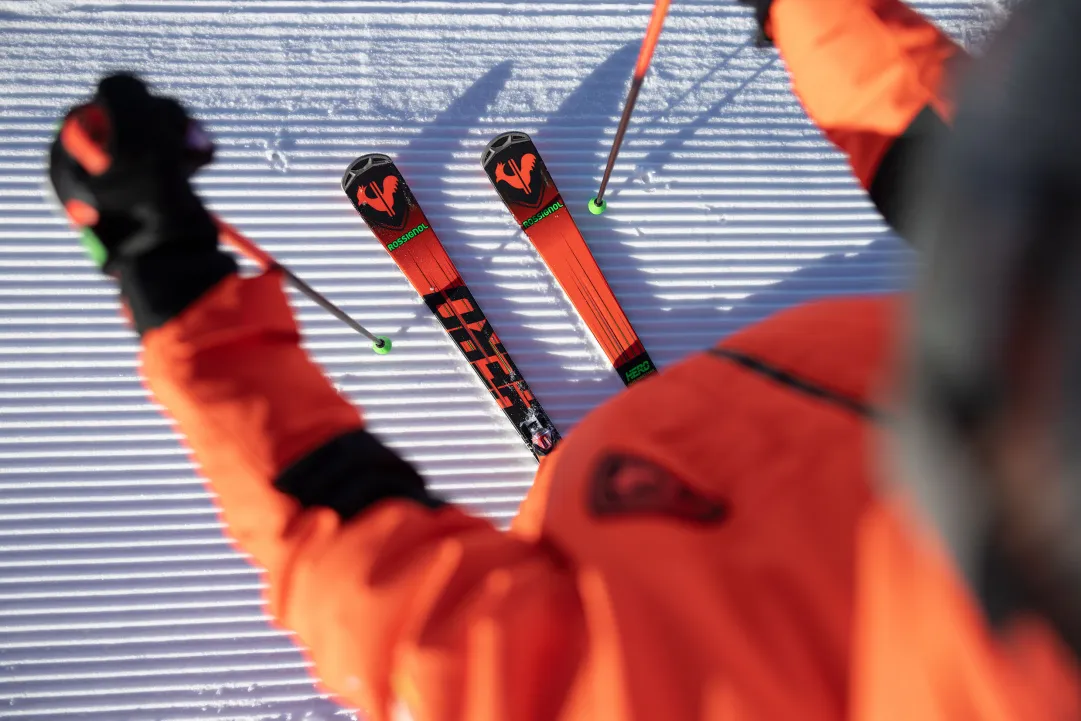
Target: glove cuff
[160,285]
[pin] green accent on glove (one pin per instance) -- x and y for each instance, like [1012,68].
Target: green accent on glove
[94,247]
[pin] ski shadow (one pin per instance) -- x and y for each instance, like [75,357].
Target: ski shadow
[599,95]
[430,158]
[656,159]
[438,145]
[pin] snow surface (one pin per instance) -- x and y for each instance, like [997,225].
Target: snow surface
[119,599]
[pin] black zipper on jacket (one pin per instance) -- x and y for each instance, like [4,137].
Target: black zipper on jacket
[800,385]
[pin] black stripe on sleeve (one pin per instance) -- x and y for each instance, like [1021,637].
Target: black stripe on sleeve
[905,169]
[351,473]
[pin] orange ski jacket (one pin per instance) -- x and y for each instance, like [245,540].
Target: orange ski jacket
[707,545]
[668,563]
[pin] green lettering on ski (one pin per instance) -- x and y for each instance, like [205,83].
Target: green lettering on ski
[542,215]
[399,242]
[638,371]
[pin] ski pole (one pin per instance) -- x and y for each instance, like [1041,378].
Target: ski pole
[232,236]
[645,55]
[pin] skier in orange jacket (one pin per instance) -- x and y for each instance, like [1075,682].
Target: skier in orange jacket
[713,543]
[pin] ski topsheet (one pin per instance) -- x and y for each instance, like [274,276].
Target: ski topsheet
[379,193]
[516,170]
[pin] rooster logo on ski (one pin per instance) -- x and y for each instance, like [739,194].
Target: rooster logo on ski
[519,174]
[384,197]
[383,202]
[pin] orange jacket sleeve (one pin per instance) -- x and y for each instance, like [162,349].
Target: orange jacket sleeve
[396,596]
[876,78]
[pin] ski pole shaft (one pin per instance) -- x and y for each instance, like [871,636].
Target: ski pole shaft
[238,240]
[624,121]
[645,56]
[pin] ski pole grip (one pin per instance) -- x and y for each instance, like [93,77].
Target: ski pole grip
[653,33]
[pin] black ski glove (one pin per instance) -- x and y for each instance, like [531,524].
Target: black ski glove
[120,166]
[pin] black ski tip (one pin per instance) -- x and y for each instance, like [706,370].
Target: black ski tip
[362,165]
[500,142]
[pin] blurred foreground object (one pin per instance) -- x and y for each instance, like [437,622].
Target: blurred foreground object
[992,434]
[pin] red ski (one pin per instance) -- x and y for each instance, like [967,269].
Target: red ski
[516,170]
[379,193]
